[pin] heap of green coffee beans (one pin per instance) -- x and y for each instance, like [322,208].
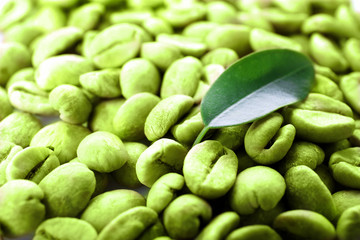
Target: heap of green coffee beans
[126,78]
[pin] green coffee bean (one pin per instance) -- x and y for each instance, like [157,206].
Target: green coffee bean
[303,41]
[231,36]
[156,26]
[84,47]
[87,16]
[349,84]
[220,226]
[188,129]
[260,232]
[62,201]
[12,12]
[325,86]
[253,20]
[344,167]
[13,57]
[222,56]
[181,15]
[48,18]
[129,224]
[284,22]
[25,74]
[327,54]
[28,212]
[212,72]
[32,163]
[62,69]
[256,181]
[261,40]
[102,83]
[351,51]
[65,228]
[160,54]
[302,153]
[64,38]
[210,169]
[165,114]
[163,191]
[139,75]
[323,23]
[201,91]
[129,121]
[187,45]
[116,44]
[267,129]
[105,207]
[199,29]
[326,72]
[72,104]
[302,184]
[63,137]
[102,152]
[320,120]
[23,33]
[126,175]
[231,137]
[182,77]
[345,199]
[304,224]
[320,102]
[28,97]
[5,148]
[9,151]
[103,114]
[347,19]
[348,224]
[163,156]
[220,12]
[10,130]
[182,218]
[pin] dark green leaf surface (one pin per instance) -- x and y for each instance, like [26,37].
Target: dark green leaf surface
[255,86]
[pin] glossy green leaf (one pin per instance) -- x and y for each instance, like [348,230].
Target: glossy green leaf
[255,86]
